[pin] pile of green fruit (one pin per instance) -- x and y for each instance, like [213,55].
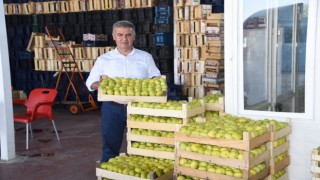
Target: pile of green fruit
[219,169]
[134,87]
[229,127]
[210,114]
[153,146]
[194,118]
[139,166]
[213,98]
[155,119]
[169,105]
[183,177]
[148,132]
[222,152]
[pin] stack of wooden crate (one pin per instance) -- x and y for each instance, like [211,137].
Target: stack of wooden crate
[168,127]
[279,153]
[315,163]
[66,6]
[190,41]
[46,57]
[222,168]
[214,54]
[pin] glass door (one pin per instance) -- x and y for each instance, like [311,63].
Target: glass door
[274,55]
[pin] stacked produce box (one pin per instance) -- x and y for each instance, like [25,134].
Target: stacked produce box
[315,164]
[46,57]
[213,78]
[152,121]
[228,147]
[279,148]
[190,39]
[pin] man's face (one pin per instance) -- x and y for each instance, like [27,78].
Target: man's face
[124,38]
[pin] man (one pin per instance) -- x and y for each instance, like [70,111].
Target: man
[125,61]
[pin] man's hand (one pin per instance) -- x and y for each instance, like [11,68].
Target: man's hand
[95,85]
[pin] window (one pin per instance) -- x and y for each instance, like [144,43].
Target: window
[274,55]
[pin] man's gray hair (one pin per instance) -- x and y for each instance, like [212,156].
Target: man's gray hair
[124,24]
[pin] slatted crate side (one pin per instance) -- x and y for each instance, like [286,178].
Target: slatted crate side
[285,176]
[149,139]
[149,153]
[105,97]
[246,144]
[210,175]
[184,113]
[153,126]
[103,173]
[246,163]
[278,150]
[216,106]
[276,167]
[280,133]
[315,160]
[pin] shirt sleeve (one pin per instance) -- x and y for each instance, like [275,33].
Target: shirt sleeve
[95,73]
[152,68]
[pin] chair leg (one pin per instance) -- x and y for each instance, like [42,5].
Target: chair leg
[31,132]
[55,129]
[27,136]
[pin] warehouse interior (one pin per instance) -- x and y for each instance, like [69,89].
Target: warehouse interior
[245,61]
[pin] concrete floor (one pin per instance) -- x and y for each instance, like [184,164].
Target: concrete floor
[73,157]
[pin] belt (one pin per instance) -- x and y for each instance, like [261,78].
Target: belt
[118,104]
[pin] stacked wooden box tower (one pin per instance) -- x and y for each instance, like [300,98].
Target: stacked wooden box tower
[199,47]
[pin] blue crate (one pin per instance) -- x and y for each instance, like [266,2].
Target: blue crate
[17,42]
[163,20]
[163,39]
[163,9]
[10,31]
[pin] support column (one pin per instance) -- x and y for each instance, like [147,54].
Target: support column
[8,150]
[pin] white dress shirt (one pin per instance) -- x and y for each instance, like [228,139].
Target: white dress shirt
[137,64]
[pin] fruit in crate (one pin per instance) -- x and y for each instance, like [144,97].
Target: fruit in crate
[139,166]
[209,114]
[213,98]
[134,87]
[155,119]
[148,132]
[225,127]
[153,146]
[218,151]
[210,167]
[281,156]
[169,105]
[257,169]
[280,141]
[278,125]
[279,174]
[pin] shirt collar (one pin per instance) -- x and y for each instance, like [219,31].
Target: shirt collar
[118,52]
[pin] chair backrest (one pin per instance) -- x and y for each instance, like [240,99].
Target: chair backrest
[43,95]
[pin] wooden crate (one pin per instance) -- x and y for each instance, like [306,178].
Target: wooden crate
[247,162]
[193,91]
[200,11]
[283,177]
[105,97]
[217,16]
[103,173]
[315,159]
[184,113]
[215,106]
[198,67]
[149,153]
[246,144]
[40,64]
[209,175]
[152,125]
[198,40]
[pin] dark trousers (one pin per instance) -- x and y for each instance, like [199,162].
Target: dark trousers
[114,122]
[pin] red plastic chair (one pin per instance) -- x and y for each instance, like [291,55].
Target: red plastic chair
[39,105]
